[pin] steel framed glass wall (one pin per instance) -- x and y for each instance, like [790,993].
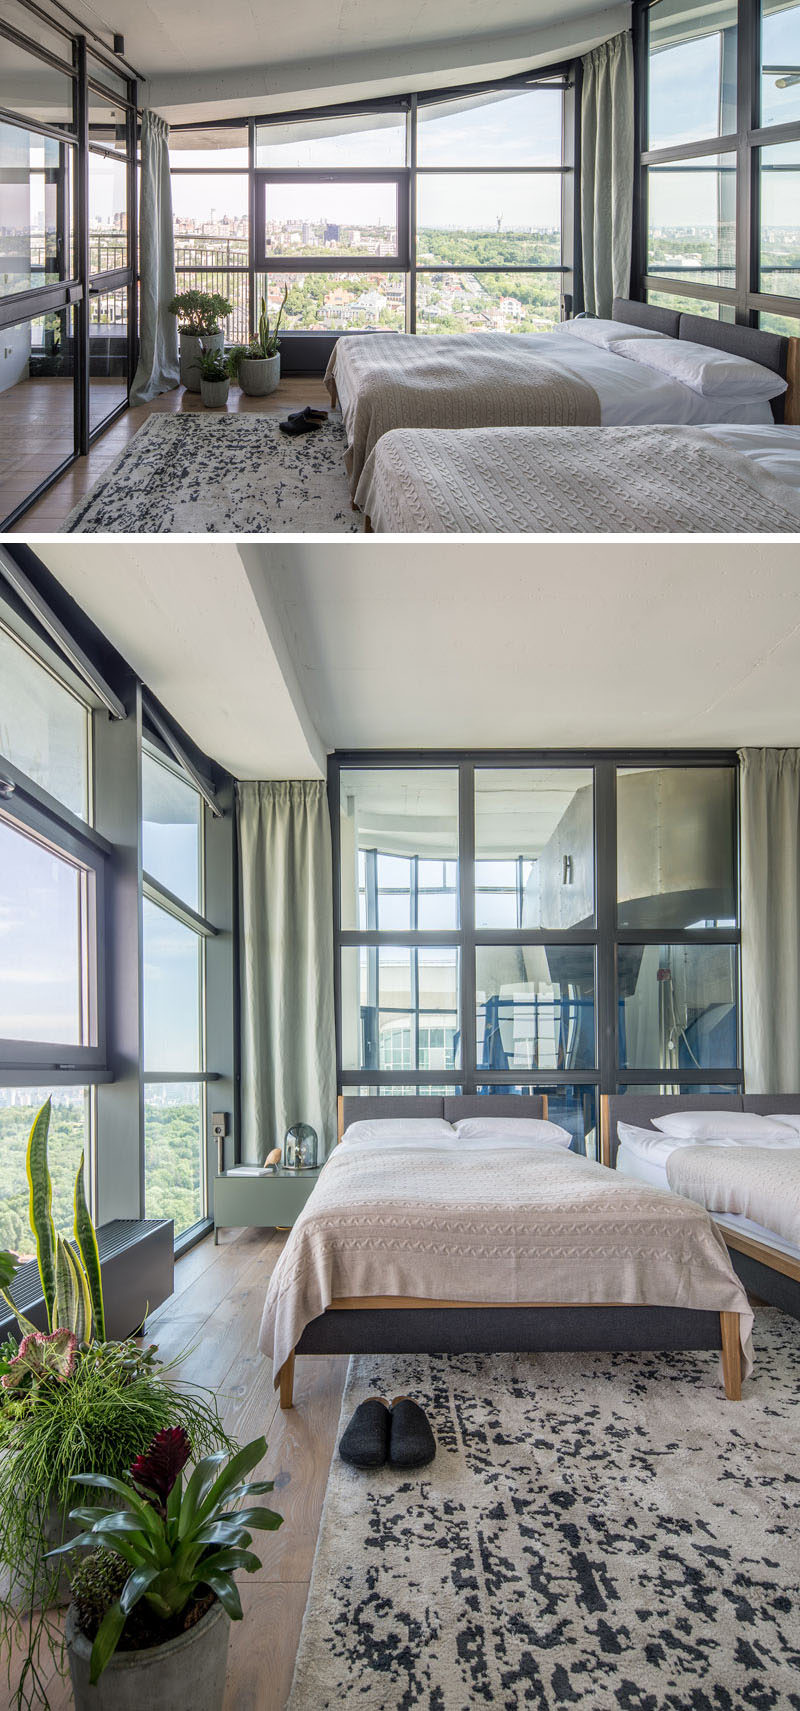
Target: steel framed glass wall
[67,247]
[444,212]
[566,923]
[717,221]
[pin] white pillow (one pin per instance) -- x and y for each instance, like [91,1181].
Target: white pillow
[533,1130]
[388,1129]
[791,1119]
[712,373]
[606,333]
[744,1127]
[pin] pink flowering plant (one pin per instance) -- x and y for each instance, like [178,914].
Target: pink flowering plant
[44,1358]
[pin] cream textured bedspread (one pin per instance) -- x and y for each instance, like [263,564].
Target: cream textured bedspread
[651,480]
[759,1183]
[395,380]
[539,1226]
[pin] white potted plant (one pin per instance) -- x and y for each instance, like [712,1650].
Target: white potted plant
[152,1604]
[257,366]
[215,378]
[199,314]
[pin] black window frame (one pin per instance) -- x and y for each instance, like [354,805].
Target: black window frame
[356,263]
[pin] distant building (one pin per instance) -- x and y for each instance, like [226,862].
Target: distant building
[331,233]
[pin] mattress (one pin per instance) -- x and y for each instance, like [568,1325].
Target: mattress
[637,1167]
[533,480]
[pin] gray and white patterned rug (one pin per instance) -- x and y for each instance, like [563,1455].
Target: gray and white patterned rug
[596,1531]
[222,474]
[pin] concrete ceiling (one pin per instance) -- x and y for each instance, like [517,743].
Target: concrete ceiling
[269,655]
[245,57]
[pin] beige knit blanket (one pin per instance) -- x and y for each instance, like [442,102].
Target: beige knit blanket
[760,1183]
[497,1226]
[651,480]
[473,380]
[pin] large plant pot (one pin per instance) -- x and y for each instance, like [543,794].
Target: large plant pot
[259,375]
[185,1674]
[214,393]
[191,351]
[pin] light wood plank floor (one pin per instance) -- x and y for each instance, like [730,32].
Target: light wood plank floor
[214,1314]
[47,516]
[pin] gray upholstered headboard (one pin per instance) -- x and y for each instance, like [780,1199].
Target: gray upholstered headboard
[355,1107]
[646,315]
[769,349]
[639,1108]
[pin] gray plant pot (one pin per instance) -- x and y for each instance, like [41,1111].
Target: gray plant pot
[214,393]
[185,1674]
[259,375]
[191,351]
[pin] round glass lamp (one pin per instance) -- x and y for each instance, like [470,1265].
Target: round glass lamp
[300,1147]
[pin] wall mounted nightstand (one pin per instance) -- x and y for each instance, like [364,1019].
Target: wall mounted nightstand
[263,1201]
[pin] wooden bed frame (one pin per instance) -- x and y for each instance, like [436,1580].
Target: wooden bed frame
[379,1324]
[765,1271]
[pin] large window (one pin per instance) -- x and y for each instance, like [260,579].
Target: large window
[211,221]
[543,924]
[719,203]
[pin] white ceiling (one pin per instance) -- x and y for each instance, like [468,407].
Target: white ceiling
[245,56]
[269,655]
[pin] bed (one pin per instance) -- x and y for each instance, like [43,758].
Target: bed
[646,480]
[377,1260]
[387,381]
[766,1258]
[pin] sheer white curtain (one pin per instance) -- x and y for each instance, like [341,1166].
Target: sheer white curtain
[158,332]
[286,961]
[770,818]
[607,173]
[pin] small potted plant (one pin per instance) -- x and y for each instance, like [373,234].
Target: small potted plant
[257,366]
[199,314]
[215,380]
[152,1606]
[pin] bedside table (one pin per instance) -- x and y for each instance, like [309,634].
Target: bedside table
[264,1202]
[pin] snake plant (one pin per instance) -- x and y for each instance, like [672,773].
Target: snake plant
[70,1275]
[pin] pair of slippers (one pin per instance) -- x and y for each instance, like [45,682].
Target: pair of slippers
[379,1432]
[303,421]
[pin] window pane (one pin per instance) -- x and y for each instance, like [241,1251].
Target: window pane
[534,847]
[337,302]
[108,123]
[108,213]
[535,1006]
[676,847]
[780,61]
[780,219]
[174,1152]
[489,219]
[108,353]
[692,220]
[171,993]
[498,128]
[36,232]
[692,306]
[677,1007]
[171,820]
[68,1137]
[692,83]
[401,813]
[366,139]
[37,404]
[212,146]
[573,1107]
[37,30]
[31,87]
[400,1007]
[210,219]
[46,922]
[786,325]
[44,728]
[488,302]
[102,73]
[350,219]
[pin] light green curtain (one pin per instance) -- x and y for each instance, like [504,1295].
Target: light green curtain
[286,963]
[770,822]
[158,333]
[607,173]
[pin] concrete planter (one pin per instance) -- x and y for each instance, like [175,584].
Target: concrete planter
[259,375]
[185,1674]
[214,393]
[191,351]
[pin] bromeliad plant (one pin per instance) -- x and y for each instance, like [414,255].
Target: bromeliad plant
[69,1399]
[213,365]
[177,1543]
